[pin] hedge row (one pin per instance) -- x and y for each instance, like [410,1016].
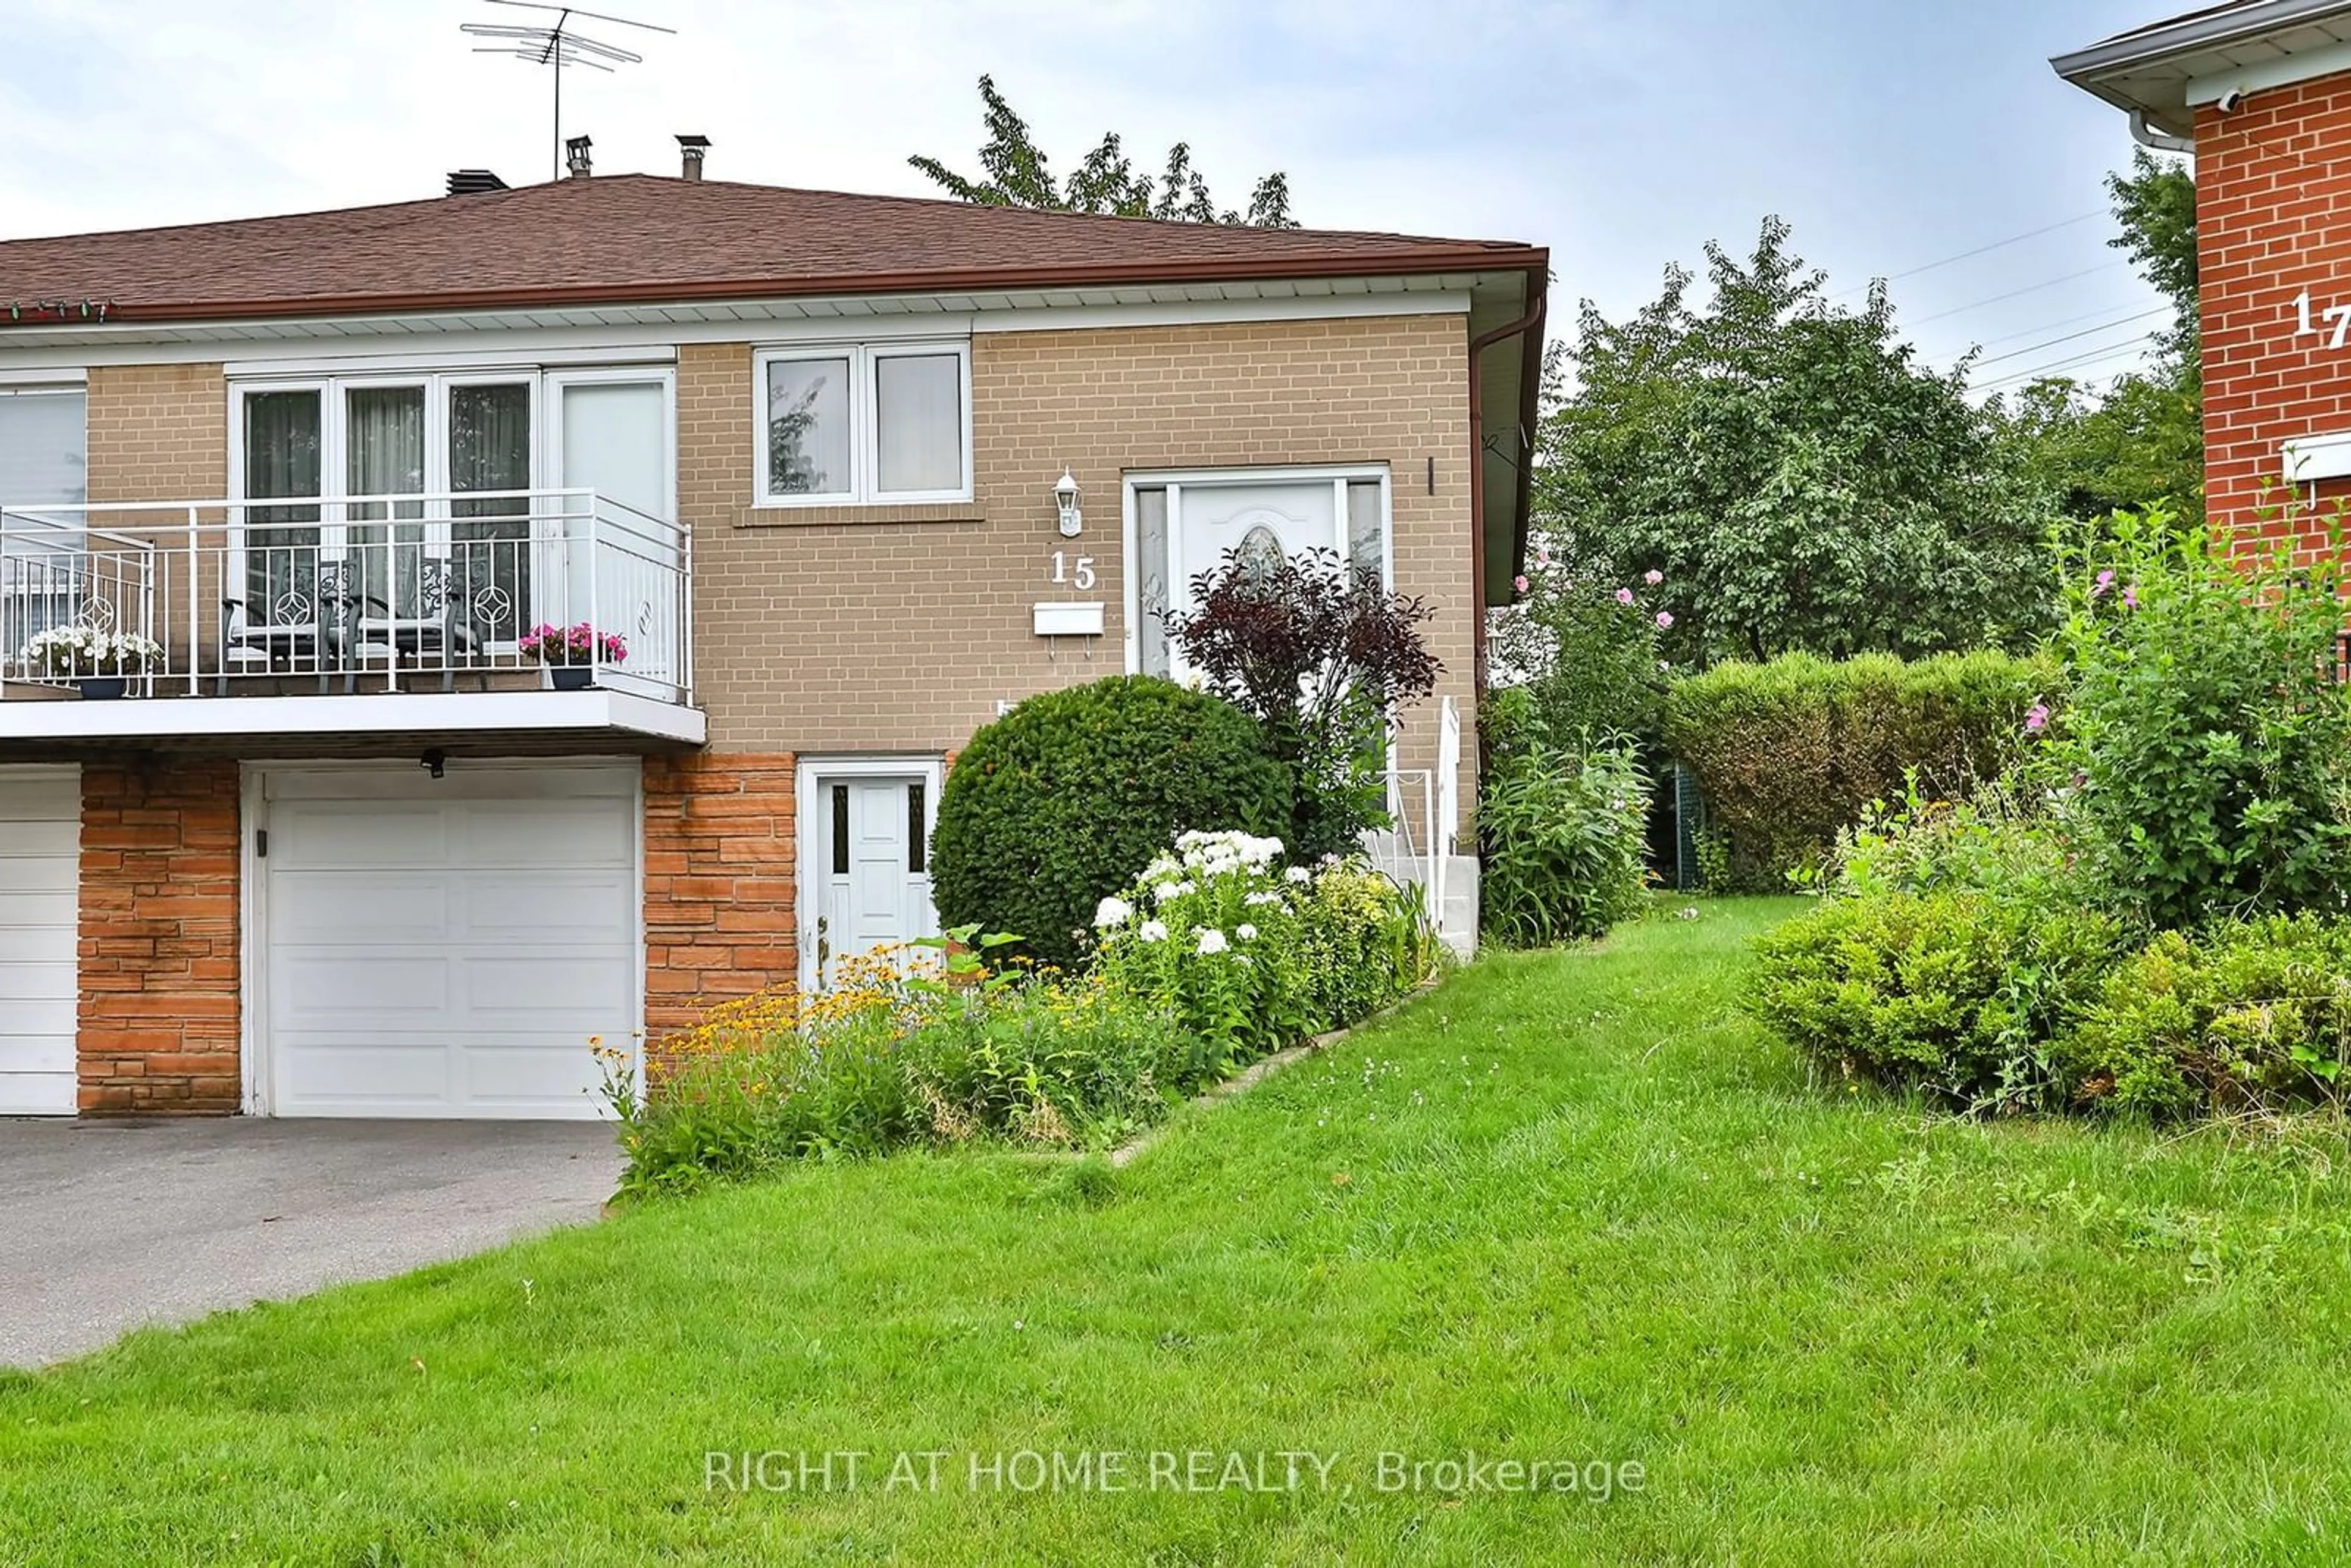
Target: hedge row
[1786,753]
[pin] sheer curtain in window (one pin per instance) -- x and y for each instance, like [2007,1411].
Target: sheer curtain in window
[384,443]
[918,419]
[281,542]
[489,449]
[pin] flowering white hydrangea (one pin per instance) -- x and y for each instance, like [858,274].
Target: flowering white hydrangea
[1213,941]
[1112,911]
[1245,931]
[1164,891]
[1261,898]
[1297,873]
[1213,854]
[1153,931]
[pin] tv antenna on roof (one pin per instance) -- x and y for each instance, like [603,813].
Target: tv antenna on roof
[558,46]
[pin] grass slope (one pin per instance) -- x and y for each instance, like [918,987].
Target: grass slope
[1569,1207]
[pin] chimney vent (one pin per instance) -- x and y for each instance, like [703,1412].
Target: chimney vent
[692,148]
[575,156]
[473,182]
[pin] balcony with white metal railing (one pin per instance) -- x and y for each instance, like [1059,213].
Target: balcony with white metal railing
[386,616]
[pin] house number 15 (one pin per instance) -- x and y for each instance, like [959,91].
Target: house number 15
[1081,572]
[2337,315]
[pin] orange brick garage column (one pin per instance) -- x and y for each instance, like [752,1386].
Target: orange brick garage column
[158,1016]
[720,912]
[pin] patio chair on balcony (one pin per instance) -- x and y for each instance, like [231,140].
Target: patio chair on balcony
[433,631]
[303,628]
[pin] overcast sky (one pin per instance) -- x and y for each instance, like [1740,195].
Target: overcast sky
[1621,133]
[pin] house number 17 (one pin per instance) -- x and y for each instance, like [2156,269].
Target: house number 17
[2337,315]
[1081,572]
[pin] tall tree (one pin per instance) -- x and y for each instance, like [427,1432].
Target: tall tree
[1015,173]
[1793,473]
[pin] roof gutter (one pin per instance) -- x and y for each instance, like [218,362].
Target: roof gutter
[2192,33]
[1531,390]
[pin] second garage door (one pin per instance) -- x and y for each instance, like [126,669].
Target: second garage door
[446,947]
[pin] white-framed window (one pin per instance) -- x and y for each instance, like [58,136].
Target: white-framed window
[1180,526]
[863,423]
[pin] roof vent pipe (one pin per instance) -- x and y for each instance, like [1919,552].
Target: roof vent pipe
[575,156]
[692,148]
[2147,135]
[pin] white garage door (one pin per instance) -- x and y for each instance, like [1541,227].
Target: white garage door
[445,948]
[40,881]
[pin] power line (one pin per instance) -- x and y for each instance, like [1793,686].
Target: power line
[2084,332]
[2051,326]
[2014,293]
[2076,361]
[1980,250]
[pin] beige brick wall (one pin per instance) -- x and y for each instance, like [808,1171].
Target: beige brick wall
[158,432]
[818,635]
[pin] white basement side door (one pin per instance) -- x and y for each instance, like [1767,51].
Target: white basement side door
[40,882]
[445,948]
[871,844]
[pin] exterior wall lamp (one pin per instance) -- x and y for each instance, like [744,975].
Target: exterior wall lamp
[1065,502]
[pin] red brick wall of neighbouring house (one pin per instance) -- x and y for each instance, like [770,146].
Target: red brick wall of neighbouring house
[158,1018]
[2272,219]
[719,891]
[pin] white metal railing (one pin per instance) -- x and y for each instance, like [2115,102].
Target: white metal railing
[393,593]
[1424,816]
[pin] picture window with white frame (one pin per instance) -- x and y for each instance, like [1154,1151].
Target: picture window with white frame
[870,423]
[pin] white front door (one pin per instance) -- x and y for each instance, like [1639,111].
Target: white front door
[40,880]
[446,947]
[867,844]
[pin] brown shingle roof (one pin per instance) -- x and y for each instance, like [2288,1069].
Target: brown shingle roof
[636,238]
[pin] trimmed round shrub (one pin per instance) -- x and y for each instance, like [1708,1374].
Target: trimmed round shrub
[1063,802]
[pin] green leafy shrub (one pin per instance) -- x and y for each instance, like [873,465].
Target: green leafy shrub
[1051,807]
[2248,1015]
[1955,993]
[1564,832]
[1367,942]
[1789,752]
[2002,839]
[2206,738]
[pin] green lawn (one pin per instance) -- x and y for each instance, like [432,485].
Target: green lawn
[1568,1207]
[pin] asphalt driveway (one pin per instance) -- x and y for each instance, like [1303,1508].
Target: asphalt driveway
[105,1225]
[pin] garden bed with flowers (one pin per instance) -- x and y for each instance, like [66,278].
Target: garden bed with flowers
[1215,956]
